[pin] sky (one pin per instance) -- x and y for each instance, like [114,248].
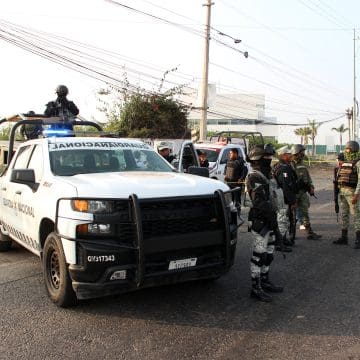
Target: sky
[301,54]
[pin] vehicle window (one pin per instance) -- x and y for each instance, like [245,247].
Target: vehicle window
[36,162]
[225,156]
[73,162]
[211,155]
[22,158]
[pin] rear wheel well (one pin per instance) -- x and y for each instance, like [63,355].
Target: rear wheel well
[46,227]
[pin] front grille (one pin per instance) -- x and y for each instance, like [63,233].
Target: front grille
[179,216]
[162,217]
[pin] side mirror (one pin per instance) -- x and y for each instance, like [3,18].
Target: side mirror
[24,176]
[197,170]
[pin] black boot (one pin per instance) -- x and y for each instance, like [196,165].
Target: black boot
[267,285]
[287,242]
[311,235]
[282,247]
[343,240]
[357,240]
[258,293]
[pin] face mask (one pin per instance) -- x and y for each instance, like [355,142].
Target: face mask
[265,167]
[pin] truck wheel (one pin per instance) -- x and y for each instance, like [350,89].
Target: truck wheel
[56,274]
[5,242]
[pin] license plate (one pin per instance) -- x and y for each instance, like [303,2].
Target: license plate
[183,263]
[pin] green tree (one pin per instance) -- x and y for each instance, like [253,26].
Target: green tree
[135,112]
[304,134]
[341,129]
[314,128]
[153,116]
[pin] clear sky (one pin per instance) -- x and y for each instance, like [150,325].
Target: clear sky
[300,52]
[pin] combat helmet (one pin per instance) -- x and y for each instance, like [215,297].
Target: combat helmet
[352,145]
[269,149]
[297,148]
[61,90]
[256,153]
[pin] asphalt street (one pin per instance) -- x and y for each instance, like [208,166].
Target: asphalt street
[317,316]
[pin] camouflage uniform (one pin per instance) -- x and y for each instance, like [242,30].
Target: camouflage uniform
[305,185]
[277,198]
[348,180]
[263,223]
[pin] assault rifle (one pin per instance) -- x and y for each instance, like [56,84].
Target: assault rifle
[336,193]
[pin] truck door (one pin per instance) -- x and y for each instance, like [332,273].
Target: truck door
[223,158]
[28,199]
[187,156]
[11,196]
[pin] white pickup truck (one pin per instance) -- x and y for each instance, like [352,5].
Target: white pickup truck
[109,215]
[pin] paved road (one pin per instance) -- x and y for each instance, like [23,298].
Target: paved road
[317,317]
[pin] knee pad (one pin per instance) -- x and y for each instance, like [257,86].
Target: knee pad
[269,259]
[259,259]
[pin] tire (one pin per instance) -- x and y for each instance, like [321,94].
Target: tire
[5,242]
[56,275]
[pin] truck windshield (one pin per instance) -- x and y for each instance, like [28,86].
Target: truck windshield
[73,162]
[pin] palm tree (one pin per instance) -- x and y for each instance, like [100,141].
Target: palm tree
[299,132]
[304,134]
[307,133]
[313,128]
[341,129]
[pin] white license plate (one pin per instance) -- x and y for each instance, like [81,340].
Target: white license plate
[183,263]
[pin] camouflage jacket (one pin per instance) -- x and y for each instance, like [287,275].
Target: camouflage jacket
[305,182]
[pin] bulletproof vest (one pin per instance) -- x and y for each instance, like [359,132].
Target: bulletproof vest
[347,174]
[232,170]
[259,179]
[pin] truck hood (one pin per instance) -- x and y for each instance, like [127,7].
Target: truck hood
[143,184]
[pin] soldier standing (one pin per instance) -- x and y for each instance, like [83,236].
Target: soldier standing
[286,178]
[305,186]
[349,192]
[262,217]
[235,174]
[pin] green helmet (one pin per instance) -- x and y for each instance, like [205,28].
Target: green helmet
[352,145]
[297,148]
[61,90]
[269,149]
[256,153]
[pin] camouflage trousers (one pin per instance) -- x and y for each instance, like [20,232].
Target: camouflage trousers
[303,204]
[262,255]
[283,220]
[278,202]
[347,208]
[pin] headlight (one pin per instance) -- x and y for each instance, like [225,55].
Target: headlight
[93,206]
[93,229]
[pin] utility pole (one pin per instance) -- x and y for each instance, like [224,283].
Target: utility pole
[354,127]
[205,79]
[349,115]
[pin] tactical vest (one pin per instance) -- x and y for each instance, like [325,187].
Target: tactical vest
[347,174]
[232,170]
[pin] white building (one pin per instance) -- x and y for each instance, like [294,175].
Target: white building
[237,112]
